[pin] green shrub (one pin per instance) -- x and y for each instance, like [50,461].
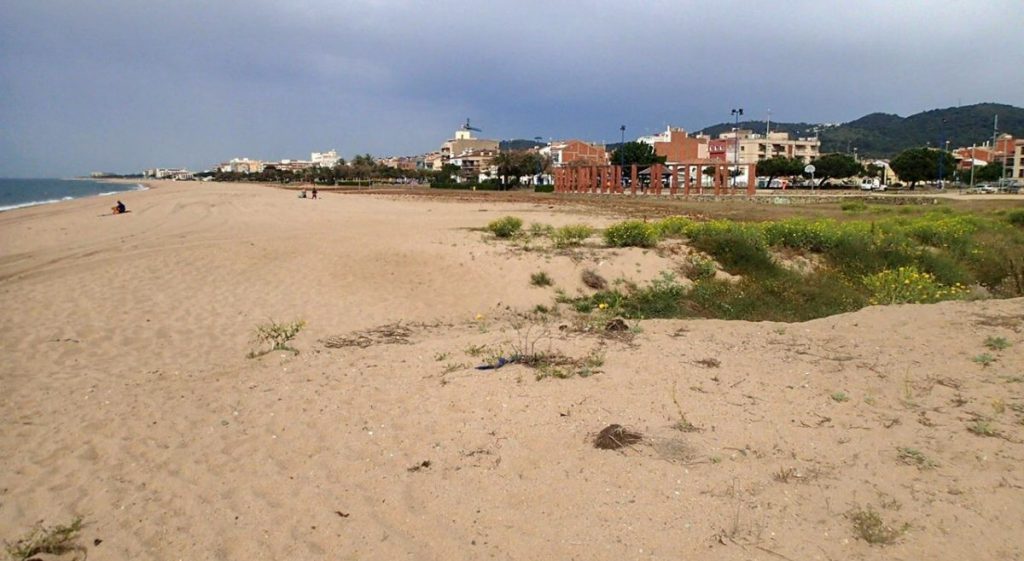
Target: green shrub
[907,285]
[571,235]
[631,233]
[540,279]
[699,268]
[854,206]
[505,227]
[662,298]
[538,229]
[738,248]
[786,296]
[544,188]
[674,227]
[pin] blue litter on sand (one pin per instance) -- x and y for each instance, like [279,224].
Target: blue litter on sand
[502,361]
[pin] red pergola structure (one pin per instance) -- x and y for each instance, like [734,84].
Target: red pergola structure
[609,179]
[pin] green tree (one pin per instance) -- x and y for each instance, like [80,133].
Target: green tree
[921,164]
[513,164]
[835,166]
[639,153]
[992,171]
[779,166]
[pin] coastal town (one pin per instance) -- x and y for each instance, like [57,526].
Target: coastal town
[739,158]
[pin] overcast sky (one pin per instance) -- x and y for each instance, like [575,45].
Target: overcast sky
[124,85]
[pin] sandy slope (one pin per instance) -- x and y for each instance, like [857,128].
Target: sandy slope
[126,397]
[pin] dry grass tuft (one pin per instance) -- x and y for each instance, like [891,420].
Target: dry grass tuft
[55,540]
[616,436]
[390,334]
[870,527]
[593,280]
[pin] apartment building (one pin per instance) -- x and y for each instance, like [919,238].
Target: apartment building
[1015,164]
[462,143]
[575,152]
[676,146]
[755,147]
[327,159]
[241,165]
[473,163]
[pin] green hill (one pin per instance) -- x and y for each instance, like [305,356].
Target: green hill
[885,135]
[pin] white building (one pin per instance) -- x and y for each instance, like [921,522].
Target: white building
[327,159]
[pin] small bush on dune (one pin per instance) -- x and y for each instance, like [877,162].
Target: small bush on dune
[699,268]
[571,235]
[739,248]
[505,227]
[631,233]
[787,296]
[907,285]
[674,227]
[540,279]
[277,335]
[54,540]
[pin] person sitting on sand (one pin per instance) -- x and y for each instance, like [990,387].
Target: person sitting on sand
[302,195]
[119,208]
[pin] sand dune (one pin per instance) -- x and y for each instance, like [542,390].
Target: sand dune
[127,398]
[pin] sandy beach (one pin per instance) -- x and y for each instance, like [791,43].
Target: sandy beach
[127,397]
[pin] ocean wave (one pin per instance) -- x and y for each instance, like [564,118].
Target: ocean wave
[33,203]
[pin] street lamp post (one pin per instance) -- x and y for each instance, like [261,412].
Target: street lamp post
[736,146]
[622,153]
[942,154]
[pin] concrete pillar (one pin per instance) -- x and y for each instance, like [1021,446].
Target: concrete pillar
[633,177]
[751,180]
[674,188]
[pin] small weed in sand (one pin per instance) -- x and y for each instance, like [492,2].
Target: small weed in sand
[997,343]
[555,365]
[683,424]
[476,350]
[709,362]
[54,540]
[784,475]
[593,280]
[277,335]
[540,279]
[868,526]
[441,356]
[453,367]
[541,309]
[982,427]
[538,229]
[840,397]
[999,406]
[984,359]
[914,457]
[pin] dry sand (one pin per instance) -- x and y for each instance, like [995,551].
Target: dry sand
[126,398]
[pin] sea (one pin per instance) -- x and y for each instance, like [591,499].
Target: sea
[18,193]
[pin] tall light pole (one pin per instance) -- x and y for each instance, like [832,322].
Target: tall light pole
[942,153]
[622,153]
[736,146]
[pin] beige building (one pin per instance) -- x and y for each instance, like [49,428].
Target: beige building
[241,165]
[461,144]
[473,163]
[1015,165]
[327,159]
[755,147]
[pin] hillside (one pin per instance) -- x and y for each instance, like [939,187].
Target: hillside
[885,135]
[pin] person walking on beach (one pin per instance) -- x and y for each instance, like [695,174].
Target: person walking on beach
[314,191]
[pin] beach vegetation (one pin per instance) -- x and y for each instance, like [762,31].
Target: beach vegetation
[571,236]
[274,336]
[631,233]
[869,526]
[997,343]
[505,227]
[51,540]
[540,279]
[914,457]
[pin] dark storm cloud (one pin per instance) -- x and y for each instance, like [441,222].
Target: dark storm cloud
[125,85]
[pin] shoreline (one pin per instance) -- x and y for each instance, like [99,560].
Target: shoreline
[140,186]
